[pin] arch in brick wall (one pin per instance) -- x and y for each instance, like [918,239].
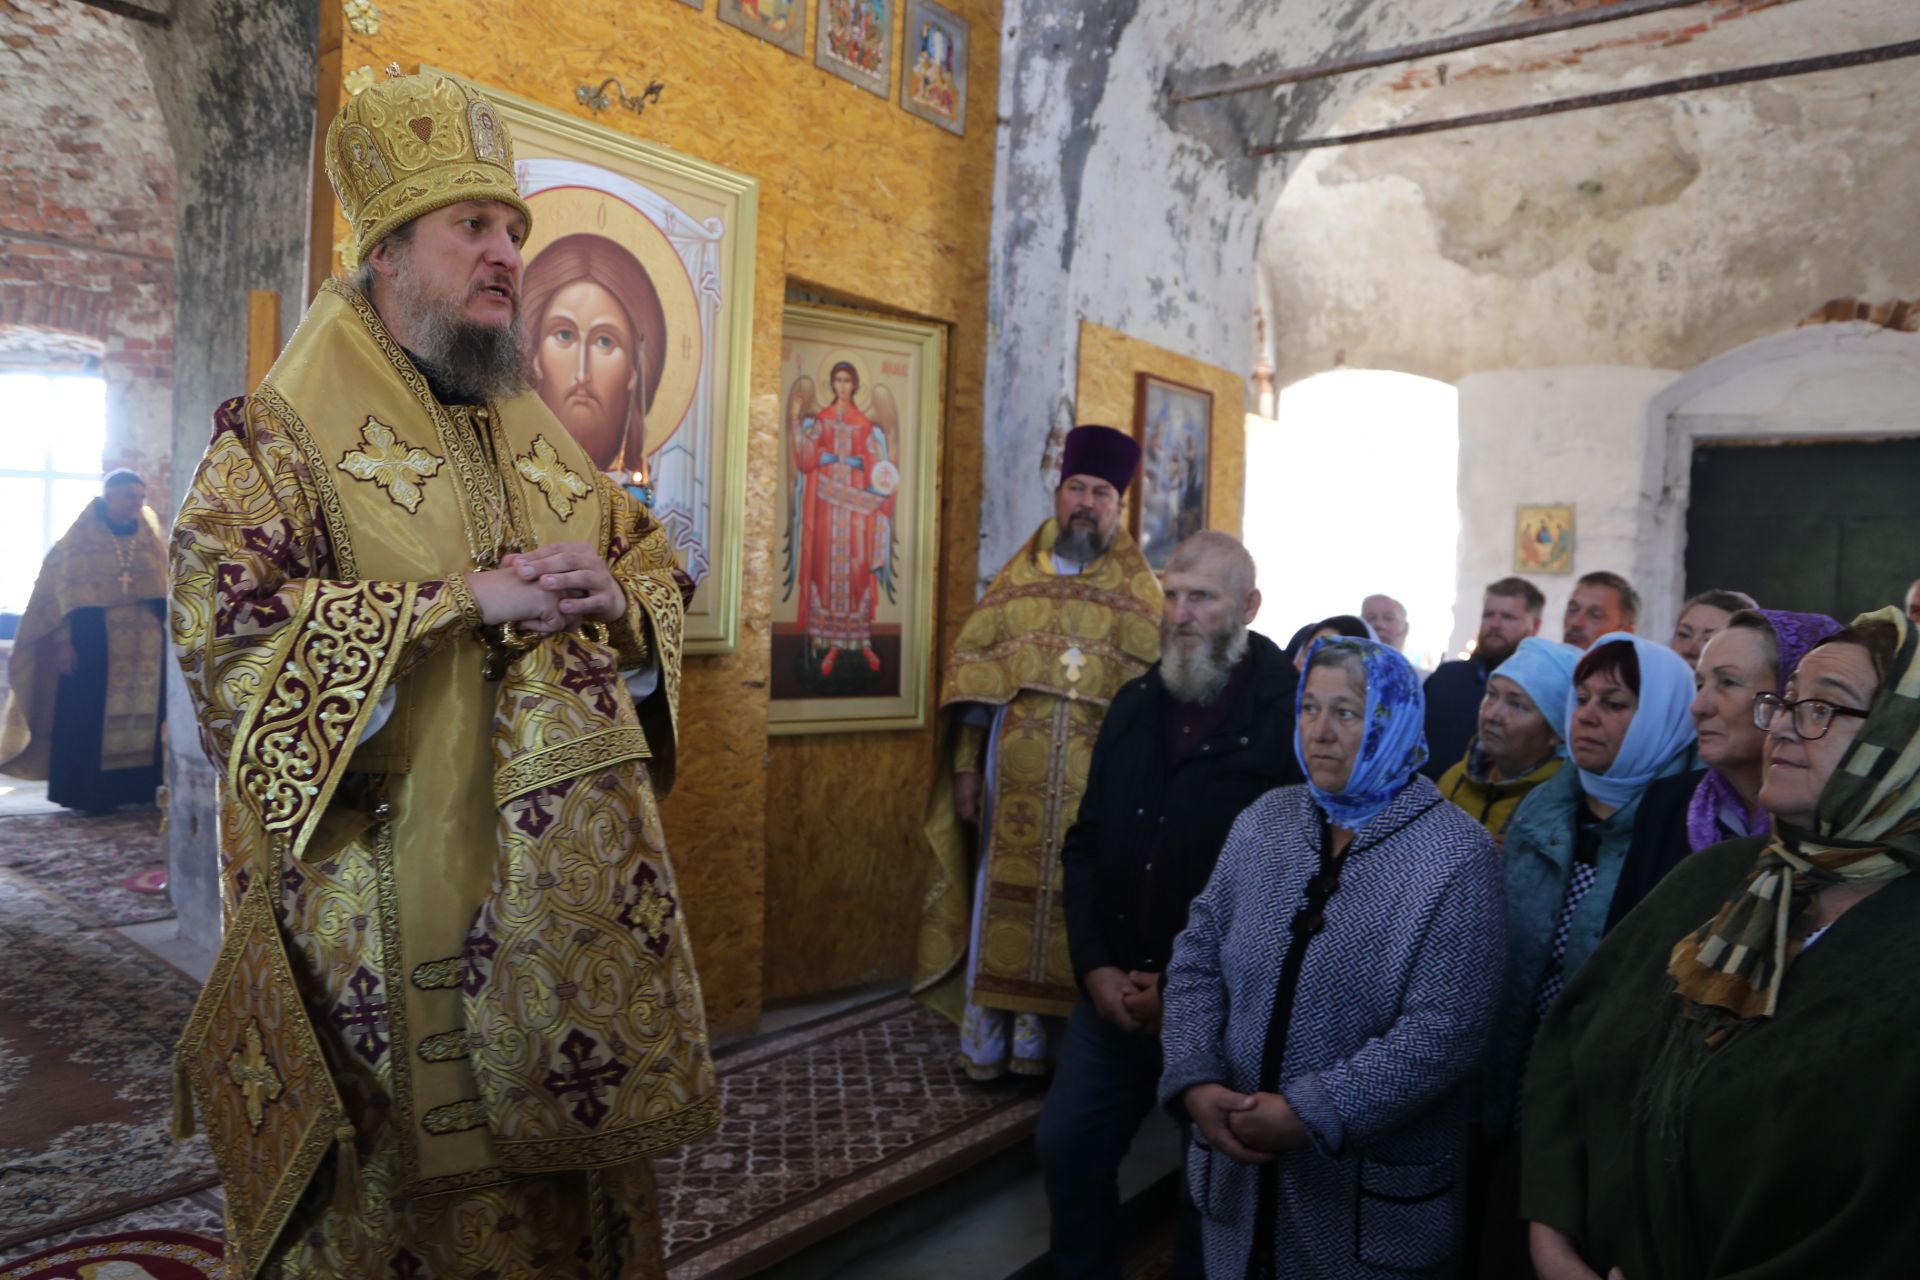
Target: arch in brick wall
[58,312]
[35,347]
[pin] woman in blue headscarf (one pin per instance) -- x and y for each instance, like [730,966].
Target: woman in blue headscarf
[1331,995]
[1626,724]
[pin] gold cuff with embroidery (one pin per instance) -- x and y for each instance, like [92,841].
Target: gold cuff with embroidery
[629,637]
[470,615]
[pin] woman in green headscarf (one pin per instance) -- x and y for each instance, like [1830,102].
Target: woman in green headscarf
[1731,1086]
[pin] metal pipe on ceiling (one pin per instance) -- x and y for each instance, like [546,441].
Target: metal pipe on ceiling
[160,16]
[1617,12]
[1611,97]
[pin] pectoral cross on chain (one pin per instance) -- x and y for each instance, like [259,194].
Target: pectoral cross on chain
[126,582]
[1073,660]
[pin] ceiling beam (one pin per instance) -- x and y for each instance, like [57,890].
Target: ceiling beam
[1617,12]
[1611,97]
[158,13]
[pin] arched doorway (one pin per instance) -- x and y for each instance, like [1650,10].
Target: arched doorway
[1807,456]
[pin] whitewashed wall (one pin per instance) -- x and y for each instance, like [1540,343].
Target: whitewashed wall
[1539,436]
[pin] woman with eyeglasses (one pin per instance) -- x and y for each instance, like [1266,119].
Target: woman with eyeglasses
[1330,996]
[1755,653]
[1731,1087]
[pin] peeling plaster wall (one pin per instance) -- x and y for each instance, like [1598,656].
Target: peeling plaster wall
[1656,234]
[235,81]
[1112,206]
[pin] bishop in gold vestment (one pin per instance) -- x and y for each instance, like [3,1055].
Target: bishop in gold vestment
[1072,617]
[84,710]
[456,1010]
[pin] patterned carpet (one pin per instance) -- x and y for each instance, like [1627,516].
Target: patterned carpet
[825,1125]
[142,1255]
[88,861]
[87,1027]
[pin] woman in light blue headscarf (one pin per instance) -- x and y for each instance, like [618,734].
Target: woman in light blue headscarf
[1625,723]
[1331,996]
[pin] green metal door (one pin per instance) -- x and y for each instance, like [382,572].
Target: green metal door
[1831,528]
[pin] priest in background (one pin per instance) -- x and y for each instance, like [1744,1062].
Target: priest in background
[87,698]
[1072,617]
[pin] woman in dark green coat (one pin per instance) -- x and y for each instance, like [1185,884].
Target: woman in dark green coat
[1730,1089]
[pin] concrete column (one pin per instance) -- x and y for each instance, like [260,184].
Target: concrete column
[235,79]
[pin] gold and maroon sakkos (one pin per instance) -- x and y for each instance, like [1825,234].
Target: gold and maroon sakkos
[475,901]
[125,577]
[1051,649]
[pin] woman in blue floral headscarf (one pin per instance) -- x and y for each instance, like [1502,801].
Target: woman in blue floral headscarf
[1331,996]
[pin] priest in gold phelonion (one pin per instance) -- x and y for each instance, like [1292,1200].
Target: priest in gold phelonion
[1072,616]
[435,658]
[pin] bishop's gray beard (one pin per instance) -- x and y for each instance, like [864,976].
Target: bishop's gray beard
[1200,675]
[472,363]
[1080,545]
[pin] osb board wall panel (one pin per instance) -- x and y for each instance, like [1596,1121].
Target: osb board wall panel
[1104,392]
[858,200]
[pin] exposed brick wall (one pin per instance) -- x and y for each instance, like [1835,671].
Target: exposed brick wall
[1903,315]
[87,217]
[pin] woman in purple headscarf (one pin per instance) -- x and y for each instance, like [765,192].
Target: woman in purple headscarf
[1756,652]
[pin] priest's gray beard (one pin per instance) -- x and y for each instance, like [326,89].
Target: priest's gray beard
[1197,674]
[471,363]
[1081,543]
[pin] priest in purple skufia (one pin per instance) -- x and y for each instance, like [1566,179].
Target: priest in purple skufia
[1072,617]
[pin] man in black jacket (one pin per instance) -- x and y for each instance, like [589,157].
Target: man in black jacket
[1509,613]
[1183,750]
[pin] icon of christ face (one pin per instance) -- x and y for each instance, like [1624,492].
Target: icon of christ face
[585,366]
[597,335]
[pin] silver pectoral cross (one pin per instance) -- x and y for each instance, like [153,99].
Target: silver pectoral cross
[1073,660]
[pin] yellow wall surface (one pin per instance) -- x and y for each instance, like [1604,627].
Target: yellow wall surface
[799,858]
[1104,392]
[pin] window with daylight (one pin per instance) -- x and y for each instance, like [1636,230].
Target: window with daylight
[53,433]
[1350,492]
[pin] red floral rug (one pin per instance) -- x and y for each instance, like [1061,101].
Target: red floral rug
[823,1126]
[89,861]
[87,1027]
[159,1255]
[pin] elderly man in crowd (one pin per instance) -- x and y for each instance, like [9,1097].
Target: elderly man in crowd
[1184,748]
[1387,617]
[1509,613]
[1601,604]
[1518,746]
[1068,621]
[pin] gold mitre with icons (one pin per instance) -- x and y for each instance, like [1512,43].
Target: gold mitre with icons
[413,144]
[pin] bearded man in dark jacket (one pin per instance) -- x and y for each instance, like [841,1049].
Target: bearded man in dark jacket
[1184,748]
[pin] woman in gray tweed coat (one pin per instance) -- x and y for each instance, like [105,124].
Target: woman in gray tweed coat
[1331,996]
